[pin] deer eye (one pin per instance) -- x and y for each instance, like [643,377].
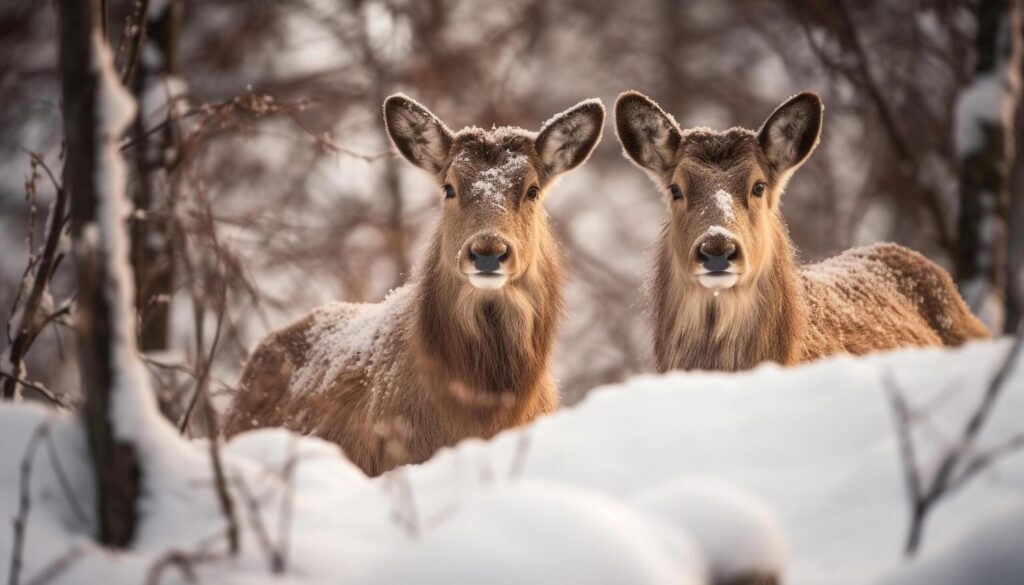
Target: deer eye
[759,188]
[677,193]
[449,192]
[532,193]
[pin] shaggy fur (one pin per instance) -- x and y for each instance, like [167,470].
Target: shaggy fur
[444,360]
[869,299]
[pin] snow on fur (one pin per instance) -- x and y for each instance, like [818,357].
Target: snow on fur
[345,336]
[717,230]
[616,486]
[494,183]
[569,110]
[723,199]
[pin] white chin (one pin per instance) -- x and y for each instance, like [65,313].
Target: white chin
[488,281]
[718,281]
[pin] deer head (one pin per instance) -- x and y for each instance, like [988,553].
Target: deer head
[722,188]
[492,183]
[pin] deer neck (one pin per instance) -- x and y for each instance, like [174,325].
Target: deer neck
[487,348]
[762,319]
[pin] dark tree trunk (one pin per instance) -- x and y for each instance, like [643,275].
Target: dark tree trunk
[117,472]
[152,245]
[1015,253]
[985,162]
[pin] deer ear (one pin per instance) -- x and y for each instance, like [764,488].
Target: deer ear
[418,134]
[567,139]
[792,132]
[648,135]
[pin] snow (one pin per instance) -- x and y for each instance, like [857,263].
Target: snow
[539,532]
[661,479]
[979,105]
[990,554]
[134,415]
[343,337]
[717,230]
[492,184]
[723,199]
[736,534]
[587,102]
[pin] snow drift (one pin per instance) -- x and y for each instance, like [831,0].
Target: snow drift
[680,478]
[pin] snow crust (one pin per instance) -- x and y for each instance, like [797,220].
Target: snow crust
[680,478]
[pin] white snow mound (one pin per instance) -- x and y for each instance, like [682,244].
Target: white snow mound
[616,489]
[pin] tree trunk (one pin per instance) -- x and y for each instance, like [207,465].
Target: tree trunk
[985,147]
[152,248]
[117,471]
[1015,254]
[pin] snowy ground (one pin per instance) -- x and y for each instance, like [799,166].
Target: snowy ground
[664,479]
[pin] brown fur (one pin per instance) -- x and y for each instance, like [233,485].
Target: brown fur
[447,361]
[869,299]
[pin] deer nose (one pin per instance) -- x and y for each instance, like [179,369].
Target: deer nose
[716,255]
[487,254]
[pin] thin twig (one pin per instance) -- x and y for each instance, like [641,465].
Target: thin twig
[28,328]
[284,517]
[924,495]
[256,519]
[24,502]
[227,503]
[64,482]
[519,457]
[42,390]
[140,18]
[180,560]
[57,567]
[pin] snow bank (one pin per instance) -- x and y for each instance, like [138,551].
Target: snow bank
[990,555]
[805,467]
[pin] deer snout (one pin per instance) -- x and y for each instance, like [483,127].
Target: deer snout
[716,254]
[488,254]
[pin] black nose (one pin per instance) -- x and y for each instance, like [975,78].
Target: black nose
[488,256]
[716,256]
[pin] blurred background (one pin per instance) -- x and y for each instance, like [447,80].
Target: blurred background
[265,185]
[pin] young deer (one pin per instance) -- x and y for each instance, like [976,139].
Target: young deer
[462,350]
[726,292]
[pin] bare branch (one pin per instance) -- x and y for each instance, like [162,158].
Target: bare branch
[138,20]
[64,482]
[24,502]
[923,495]
[42,390]
[57,567]
[31,321]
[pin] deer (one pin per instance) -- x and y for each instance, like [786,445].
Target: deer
[464,348]
[725,291]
